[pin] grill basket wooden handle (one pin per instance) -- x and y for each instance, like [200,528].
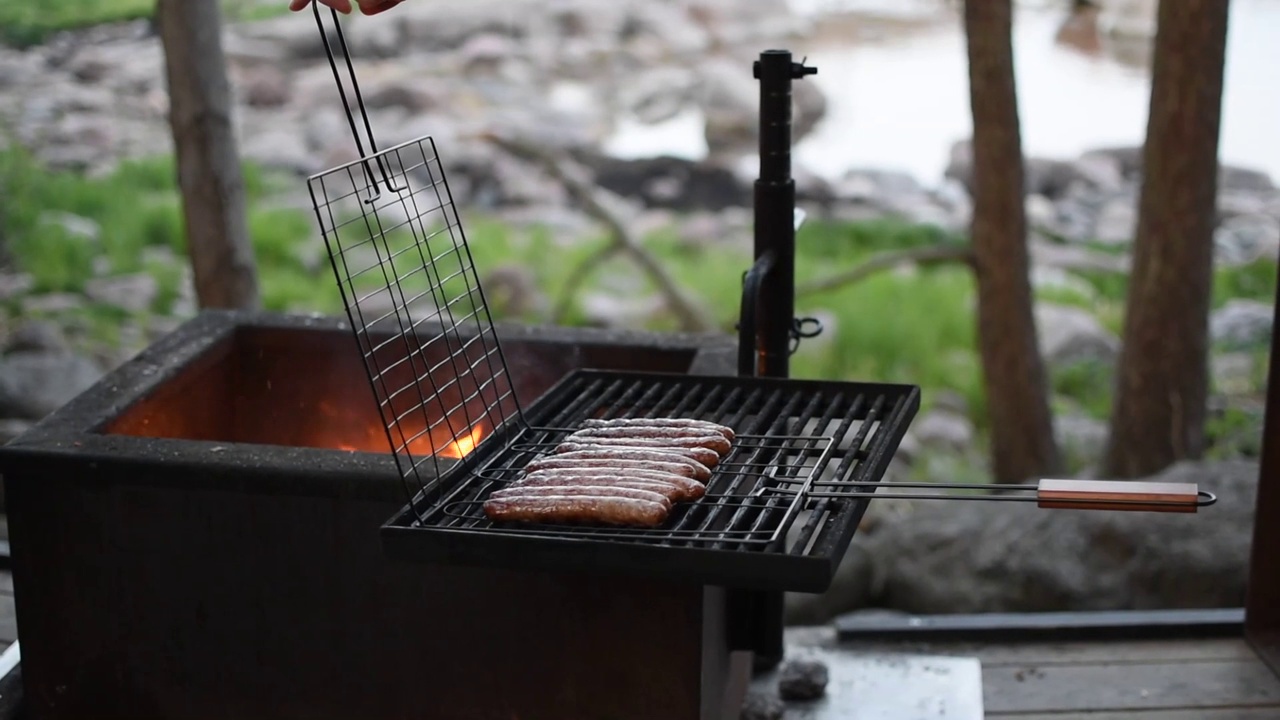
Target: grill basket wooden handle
[1118,495]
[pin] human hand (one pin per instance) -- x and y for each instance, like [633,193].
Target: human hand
[368,7]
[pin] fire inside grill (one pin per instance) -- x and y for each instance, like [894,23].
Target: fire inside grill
[372,437]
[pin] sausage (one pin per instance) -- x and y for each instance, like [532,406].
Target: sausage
[668,488]
[708,458]
[702,455]
[700,471]
[684,488]
[679,437]
[576,489]
[706,425]
[558,462]
[608,510]
[675,487]
[669,491]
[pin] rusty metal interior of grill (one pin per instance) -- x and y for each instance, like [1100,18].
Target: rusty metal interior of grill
[265,518]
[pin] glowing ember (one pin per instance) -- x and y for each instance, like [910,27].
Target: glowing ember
[345,432]
[454,449]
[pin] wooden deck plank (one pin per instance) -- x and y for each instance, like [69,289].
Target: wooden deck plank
[1078,653]
[1128,687]
[1262,713]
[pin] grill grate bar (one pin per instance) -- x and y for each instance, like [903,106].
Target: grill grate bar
[829,505]
[708,520]
[775,462]
[848,459]
[833,407]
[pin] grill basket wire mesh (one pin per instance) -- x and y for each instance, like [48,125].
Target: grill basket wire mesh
[411,292]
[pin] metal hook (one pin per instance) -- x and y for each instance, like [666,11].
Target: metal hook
[804,328]
[346,105]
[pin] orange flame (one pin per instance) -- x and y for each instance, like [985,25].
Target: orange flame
[373,438]
[458,449]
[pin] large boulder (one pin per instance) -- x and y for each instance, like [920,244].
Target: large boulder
[933,557]
[1242,322]
[1069,335]
[34,383]
[670,182]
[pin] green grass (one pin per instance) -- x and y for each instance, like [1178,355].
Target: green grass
[895,326]
[31,22]
[135,207]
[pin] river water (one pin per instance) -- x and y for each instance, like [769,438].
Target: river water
[895,76]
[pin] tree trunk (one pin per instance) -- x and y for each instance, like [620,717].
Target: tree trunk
[1162,379]
[1022,440]
[209,172]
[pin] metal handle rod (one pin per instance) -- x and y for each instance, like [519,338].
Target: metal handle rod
[346,105]
[1205,498]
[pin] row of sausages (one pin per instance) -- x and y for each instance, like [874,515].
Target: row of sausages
[627,472]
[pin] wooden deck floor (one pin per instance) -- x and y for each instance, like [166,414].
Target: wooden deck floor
[1217,679]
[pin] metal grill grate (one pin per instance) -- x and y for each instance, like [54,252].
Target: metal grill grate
[792,437]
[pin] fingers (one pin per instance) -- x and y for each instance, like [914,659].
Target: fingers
[342,6]
[373,7]
[368,7]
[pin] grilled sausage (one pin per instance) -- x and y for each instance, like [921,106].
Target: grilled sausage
[675,487]
[558,462]
[608,510]
[706,456]
[700,471]
[679,437]
[706,425]
[572,490]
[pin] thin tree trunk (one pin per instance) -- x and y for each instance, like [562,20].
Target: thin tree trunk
[1022,440]
[209,172]
[1162,382]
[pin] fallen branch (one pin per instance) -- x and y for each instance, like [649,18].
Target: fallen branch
[937,255]
[602,205]
[577,277]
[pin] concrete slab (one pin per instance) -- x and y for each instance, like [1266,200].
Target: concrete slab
[888,686]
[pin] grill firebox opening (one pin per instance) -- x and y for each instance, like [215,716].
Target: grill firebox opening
[293,387]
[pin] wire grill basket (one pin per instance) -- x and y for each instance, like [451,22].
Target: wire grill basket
[411,292]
